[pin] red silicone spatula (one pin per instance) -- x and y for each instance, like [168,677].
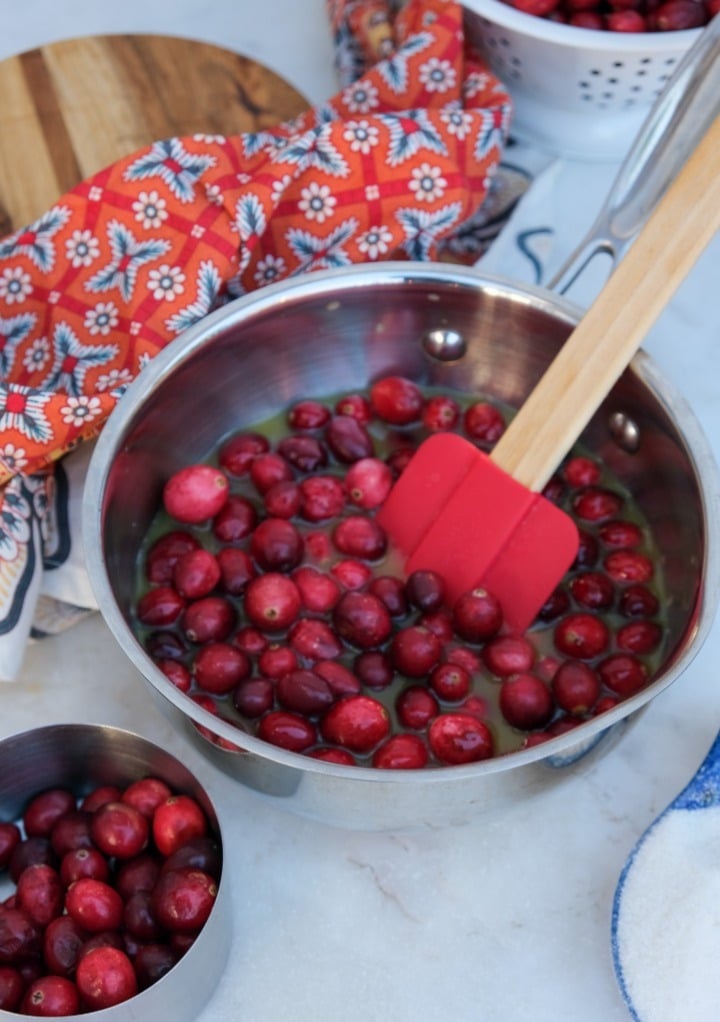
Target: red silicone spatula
[480,520]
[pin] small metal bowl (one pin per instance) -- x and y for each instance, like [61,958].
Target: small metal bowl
[81,757]
[337,330]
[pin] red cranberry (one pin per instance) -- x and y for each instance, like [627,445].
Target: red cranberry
[12,987]
[330,755]
[416,707]
[595,504]
[152,962]
[276,545]
[623,674]
[62,941]
[196,574]
[254,697]
[476,706]
[586,19]
[620,534]
[483,423]
[195,493]
[238,453]
[401,752]
[587,553]
[526,702]
[625,21]
[509,654]
[554,489]
[440,622]
[639,637]
[355,405]
[392,593]
[308,415]
[210,619]
[138,917]
[450,682]
[414,651]
[457,738]
[119,829]
[176,673]
[183,899]
[477,615]
[29,851]
[368,482]
[322,497]
[351,574]
[358,723]
[629,566]
[219,667]
[305,453]
[581,635]
[374,668]
[83,862]
[20,937]
[250,640]
[314,640]
[44,810]
[99,796]
[341,679]
[272,602]
[105,976]
[396,400]
[592,589]
[235,521]
[177,820]
[348,439]
[268,469]
[441,412]
[362,620]
[10,838]
[160,606]
[398,459]
[165,645]
[677,15]
[39,892]
[283,500]
[581,471]
[425,590]
[358,536]
[468,659]
[576,687]
[319,591]
[604,704]
[236,570]
[638,601]
[557,604]
[51,996]
[202,852]
[287,730]
[94,905]
[277,659]
[304,692]
[137,874]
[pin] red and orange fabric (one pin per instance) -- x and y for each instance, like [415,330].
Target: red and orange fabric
[393,166]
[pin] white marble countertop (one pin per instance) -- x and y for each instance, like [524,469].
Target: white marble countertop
[506,918]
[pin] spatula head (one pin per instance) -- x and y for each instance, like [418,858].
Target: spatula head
[455,512]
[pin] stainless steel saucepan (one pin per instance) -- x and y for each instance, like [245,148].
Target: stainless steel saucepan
[448,327]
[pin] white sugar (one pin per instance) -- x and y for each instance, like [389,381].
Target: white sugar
[668,925]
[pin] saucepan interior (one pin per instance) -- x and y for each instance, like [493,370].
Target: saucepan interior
[335,331]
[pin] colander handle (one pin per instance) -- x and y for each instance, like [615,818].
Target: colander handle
[677,121]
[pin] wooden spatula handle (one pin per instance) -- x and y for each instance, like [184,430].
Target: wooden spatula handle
[612,330]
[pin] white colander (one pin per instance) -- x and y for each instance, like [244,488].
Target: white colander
[577,92]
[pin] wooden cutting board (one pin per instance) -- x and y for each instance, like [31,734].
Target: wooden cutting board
[73,107]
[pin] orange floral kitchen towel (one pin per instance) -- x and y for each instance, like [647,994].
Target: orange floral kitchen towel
[393,166]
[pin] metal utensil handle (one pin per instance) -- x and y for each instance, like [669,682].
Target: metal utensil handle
[679,118]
